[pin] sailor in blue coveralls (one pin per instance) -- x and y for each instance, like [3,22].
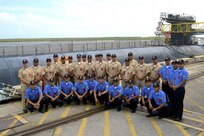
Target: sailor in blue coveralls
[115,94]
[91,84]
[66,90]
[179,83]
[131,95]
[164,73]
[101,91]
[52,94]
[81,91]
[157,103]
[34,98]
[172,98]
[146,92]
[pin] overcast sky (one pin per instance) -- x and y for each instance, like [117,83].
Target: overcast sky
[88,18]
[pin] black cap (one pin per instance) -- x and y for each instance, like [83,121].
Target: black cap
[181,61]
[48,60]
[66,76]
[51,80]
[113,55]
[167,59]
[127,60]
[108,55]
[80,78]
[96,55]
[130,54]
[100,55]
[100,77]
[130,82]
[147,80]
[25,61]
[115,79]
[154,58]
[141,57]
[89,57]
[90,76]
[55,56]
[70,57]
[78,55]
[32,82]
[62,57]
[174,62]
[35,60]
[84,56]
[156,84]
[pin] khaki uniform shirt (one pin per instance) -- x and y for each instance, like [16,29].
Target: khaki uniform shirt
[90,68]
[154,71]
[63,69]
[49,71]
[80,68]
[113,67]
[141,70]
[38,71]
[27,74]
[133,63]
[127,72]
[100,68]
[71,68]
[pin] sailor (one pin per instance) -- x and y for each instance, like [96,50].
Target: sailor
[90,67]
[113,69]
[91,85]
[131,95]
[48,71]
[108,58]
[179,83]
[26,75]
[133,62]
[127,73]
[66,90]
[71,69]
[101,91]
[79,68]
[81,91]
[157,102]
[100,67]
[62,69]
[84,58]
[115,95]
[146,92]
[164,73]
[141,72]
[34,98]
[55,64]
[38,71]
[52,93]
[154,70]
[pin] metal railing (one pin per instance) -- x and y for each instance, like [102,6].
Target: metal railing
[60,47]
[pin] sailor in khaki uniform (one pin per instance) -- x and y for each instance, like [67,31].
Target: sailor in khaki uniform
[48,71]
[26,75]
[108,58]
[71,69]
[141,72]
[90,67]
[133,62]
[100,67]
[55,64]
[113,69]
[127,73]
[96,57]
[38,71]
[84,58]
[154,70]
[79,68]
[63,69]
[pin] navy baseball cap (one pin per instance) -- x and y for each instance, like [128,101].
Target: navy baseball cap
[51,80]
[147,80]
[55,56]
[141,57]
[70,57]
[100,77]
[35,60]
[115,79]
[89,57]
[154,58]
[78,55]
[32,82]
[130,82]
[130,54]
[108,54]
[167,59]
[62,57]
[84,56]
[80,78]
[25,61]
[48,60]
[181,61]
[113,55]
[127,60]
[66,76]
[90,76]
[156,84]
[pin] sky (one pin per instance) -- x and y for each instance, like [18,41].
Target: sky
[88,18]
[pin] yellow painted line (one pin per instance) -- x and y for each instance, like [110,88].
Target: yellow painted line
[82,127]
[4,133]
[196,104]
[83,123]
[21,119]
[156,127]
[183,131]
[201,134]
[130,124]
[194,119]
[106,124]
[189,111]
[43,118]
[58,131]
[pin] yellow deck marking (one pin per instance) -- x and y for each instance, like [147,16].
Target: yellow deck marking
[156,126]
[189,111]
[20,118]
[106,124]
[64,114]
[43,118]
[196,104]
[58,131]
[83,123]
[201,134]
[10,126]
[183,131]
[130,124]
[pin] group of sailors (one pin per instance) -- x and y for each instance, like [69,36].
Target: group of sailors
[105,81]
